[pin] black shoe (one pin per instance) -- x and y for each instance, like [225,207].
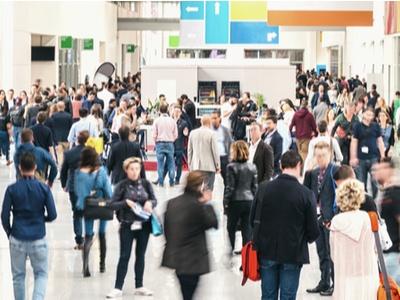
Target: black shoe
[316,290]
[155,182]
[238,252]
[328,292]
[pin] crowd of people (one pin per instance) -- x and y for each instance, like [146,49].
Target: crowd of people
[317,163]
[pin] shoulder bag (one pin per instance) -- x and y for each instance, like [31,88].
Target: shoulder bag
[97,207]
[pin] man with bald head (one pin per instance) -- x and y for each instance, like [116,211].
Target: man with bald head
[203,152]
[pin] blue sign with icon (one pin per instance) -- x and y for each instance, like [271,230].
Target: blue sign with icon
[253,33]
[192,10]
[217,22]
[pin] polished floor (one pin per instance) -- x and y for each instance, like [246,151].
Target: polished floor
[65,264]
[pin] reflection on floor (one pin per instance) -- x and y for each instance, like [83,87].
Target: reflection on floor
[65,277]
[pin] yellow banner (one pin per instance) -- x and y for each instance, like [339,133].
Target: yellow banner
[249,11]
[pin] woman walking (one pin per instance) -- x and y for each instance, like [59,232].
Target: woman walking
[91,177]
[241,185]
[133,199]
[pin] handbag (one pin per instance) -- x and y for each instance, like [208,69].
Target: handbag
[156,225]
[250,264]
[388,289]
[97,207]
[96,142]
[384,237]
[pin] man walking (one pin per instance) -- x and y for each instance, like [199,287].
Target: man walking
[203,152]
[274,139]
[31,203]
[165,133]
[320,181]
[62,125]
[282,246]
[67,175]
[366,147]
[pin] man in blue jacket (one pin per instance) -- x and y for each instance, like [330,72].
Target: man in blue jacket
[43,158]
[31,203]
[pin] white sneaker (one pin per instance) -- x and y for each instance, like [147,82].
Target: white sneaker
[114,293]
[142,291]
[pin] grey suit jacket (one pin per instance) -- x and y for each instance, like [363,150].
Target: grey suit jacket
[203,150]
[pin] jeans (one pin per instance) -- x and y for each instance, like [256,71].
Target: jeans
[324,254]
[188,285]
[5,144]
[178,154]
[239,210]
[364,168]
[277,276]
[77,219]
[16,130]
[209,178]
[38,253]
[126,237]
[89,227]
[392,265]
[165,153]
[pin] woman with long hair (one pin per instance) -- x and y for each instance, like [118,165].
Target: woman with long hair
[387,131]
[90,176]
[381,105]
[330,118]
[241,186]
[133,200]
[96,117]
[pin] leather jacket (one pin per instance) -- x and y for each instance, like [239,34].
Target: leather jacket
[241,182]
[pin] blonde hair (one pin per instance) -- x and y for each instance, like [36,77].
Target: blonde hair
[240,151]
[350,194]
[286,107]
[131,160]
[383,105]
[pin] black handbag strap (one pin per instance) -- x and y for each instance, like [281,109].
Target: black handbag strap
[257,217]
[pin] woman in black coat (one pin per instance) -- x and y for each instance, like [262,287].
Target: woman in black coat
[186,220]
[241,186]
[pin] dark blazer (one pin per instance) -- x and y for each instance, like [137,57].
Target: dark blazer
[264,160]
[276,145]
[69,166]
[288,220]
[42,136]
[31,113]
[62,125]
[185,223]
[327,193]
[49,123]
[179,143]
[120,151]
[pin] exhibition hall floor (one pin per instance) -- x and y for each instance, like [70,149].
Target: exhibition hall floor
[65,263]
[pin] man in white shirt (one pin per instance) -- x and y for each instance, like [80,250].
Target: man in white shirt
[336,156]
[83,124]
[106,95]
[226,111]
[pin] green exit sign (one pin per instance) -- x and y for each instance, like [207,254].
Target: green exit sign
[130,48]
[66,42]
[87,44]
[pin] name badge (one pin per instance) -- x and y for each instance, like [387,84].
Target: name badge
[364,150]
[136,226]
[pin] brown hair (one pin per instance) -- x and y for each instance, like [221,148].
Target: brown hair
[194,181]
[89,158]
[83,137]
[240,151]
[26,135]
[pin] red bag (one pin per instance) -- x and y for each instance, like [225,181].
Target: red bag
[250,265]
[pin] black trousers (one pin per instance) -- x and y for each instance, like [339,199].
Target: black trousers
[239,210]
[188,285]
[324,254]
[224,164]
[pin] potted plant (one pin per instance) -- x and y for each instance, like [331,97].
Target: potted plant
[152,110]
[260,101]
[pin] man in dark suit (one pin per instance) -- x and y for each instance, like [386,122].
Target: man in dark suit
[67,174]
[62,124]
[274,139]
[42,136]
[282,245]
[261,154]
[190,109]
[321,182]
[32,111]
[120,151]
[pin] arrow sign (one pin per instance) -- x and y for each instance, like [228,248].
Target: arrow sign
[271,36]
[217,6]
[192,9]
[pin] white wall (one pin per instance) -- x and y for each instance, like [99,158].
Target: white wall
[79,19]
[275,82]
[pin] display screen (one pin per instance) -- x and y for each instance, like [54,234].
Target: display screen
[42,53]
